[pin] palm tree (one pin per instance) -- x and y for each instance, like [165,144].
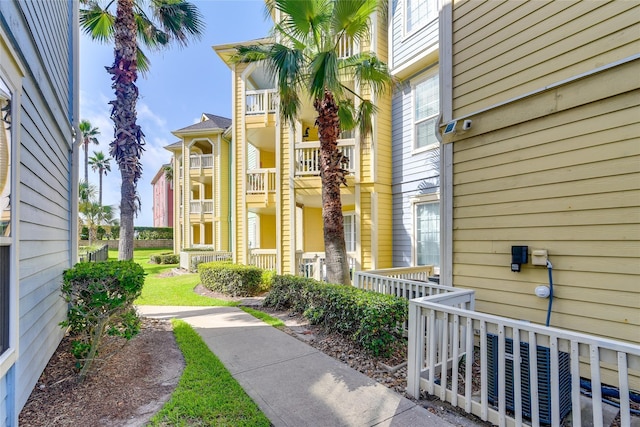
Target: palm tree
[89,134]
[168,21]
[305,58]
[99,162]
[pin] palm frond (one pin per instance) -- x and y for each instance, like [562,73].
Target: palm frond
[97,22]
[347,114]
[180,19]
[366,112]
[351,18]
[252,53]
[369,71]
[324,74]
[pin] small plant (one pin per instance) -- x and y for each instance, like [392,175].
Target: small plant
[100,297]
[230,279]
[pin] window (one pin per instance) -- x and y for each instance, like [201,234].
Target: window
[426,101]
[419,13]
[350,231]
[427,233]
[5,213]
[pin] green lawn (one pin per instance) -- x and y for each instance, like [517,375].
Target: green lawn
[207,394]
[175,290]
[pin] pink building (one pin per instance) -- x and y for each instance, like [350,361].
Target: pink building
[163,197]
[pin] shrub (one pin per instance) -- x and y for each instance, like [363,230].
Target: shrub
[100,298]
[165,258]
[84,233]
[267,280]
[230,279]
[371,319]
[153,233]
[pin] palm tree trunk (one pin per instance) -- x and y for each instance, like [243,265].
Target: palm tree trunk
[126,148]
[86,161]
[100,188]
[332,175]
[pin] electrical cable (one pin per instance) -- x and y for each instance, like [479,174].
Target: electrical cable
[550,268]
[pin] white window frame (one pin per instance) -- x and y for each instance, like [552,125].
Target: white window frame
[352,215]
[418,26]
[415,201]
[414,134]
[11,74]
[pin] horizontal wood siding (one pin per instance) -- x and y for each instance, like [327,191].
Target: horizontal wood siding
[286,215]
[384,230]
[568,182]
[44,182]
[413,174]
[4,401]
[239,153]
[406,48]
[503,49]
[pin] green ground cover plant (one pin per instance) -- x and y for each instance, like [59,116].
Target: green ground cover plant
[207,394]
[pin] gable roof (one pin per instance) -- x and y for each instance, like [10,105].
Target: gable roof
[208,122]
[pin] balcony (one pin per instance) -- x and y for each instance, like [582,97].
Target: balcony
[263,258]
[261,185]
[261,101]
[201,161]
[201,206]
[307,157]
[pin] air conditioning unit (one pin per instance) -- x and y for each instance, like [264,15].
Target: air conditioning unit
[544,378]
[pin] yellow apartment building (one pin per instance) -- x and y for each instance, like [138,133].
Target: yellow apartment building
[200,161]
[277,205]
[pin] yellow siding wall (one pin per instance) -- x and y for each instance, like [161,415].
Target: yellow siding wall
[503,49]
[558,171]
[238,121]
[225,190]
[384,229]
[285,209]
[267,231]
[267,159]
[313,226]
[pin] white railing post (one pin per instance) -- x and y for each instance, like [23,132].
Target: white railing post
[415,346]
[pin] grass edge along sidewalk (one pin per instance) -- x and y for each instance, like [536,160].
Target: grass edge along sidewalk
[206,394]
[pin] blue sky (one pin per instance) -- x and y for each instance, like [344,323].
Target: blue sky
[181,85]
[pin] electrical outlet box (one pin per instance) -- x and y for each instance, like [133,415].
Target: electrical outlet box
[539,257]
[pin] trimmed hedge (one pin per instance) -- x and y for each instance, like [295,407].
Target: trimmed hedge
[371,319]
[165,258]
[231,279]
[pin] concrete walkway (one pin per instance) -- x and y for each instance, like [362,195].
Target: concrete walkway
[294,384]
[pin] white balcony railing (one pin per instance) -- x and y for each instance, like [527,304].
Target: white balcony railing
[307,155]
[261,101]
[312,264]
[347,47]
[201,206]
[189,260]
[261,181]
[263,258]
[201,161]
